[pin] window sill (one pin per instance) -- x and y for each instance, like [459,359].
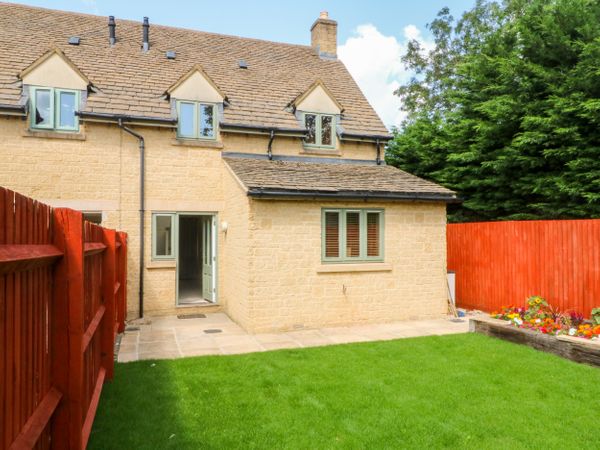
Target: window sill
[197,143]
[51,134]
[354,267]
[320,151]
[161,265]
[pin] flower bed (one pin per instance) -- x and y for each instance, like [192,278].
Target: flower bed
[580,350]
[539,316]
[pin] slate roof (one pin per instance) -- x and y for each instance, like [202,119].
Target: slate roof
[131,82]
[355,179]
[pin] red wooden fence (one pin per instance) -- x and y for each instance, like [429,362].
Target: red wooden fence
[502,263]
[62,301]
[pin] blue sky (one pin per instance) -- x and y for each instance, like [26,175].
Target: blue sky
[371,35]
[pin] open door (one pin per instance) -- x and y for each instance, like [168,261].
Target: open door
[196,260]
[207,259]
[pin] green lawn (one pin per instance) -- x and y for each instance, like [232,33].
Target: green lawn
[461,391]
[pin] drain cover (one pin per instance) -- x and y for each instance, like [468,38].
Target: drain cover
[457,320]
[213,330]
[191,316]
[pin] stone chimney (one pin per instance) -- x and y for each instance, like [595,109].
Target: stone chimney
[323,36]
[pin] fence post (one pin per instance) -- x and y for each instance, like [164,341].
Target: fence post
[109,321]
[122,279]
[67,328]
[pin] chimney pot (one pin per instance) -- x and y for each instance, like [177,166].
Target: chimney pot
[323,36]
[112,39]
[146,35]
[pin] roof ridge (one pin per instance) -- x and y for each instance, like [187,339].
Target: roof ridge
[156,25]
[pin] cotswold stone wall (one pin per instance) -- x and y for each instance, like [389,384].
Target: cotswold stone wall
[291,289]
[269,268]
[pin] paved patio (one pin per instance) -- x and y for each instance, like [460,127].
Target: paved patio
[217,334]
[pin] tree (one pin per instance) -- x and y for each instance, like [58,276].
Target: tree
[505,110]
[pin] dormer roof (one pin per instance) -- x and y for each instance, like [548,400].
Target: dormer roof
[196,84]
[317,98]
[54,69]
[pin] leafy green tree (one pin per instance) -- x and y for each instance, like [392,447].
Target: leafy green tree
[505,110]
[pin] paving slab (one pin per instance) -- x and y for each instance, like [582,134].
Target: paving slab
[171,337]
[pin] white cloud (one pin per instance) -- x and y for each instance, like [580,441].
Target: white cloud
[374,60]
[92,5]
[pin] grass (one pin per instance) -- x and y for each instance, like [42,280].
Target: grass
[460,391]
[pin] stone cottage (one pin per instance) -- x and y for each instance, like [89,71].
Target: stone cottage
[248,174]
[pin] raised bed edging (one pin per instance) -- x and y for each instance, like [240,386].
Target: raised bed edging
[575,349]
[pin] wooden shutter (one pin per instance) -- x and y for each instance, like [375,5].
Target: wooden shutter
[332,234]
[352,234]
[373,234]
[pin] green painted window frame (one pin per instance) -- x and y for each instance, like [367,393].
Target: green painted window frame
[318,130]
[197,134]
[342,258]
[54,108]
[174,230]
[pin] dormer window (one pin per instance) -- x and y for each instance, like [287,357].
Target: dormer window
[54,109]
[196,120]
[320,130]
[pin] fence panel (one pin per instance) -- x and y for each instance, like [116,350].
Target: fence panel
[502,263]
[56,339]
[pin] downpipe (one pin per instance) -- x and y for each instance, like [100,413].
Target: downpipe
[142,146]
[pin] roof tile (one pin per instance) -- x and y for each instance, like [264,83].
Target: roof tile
[277,72]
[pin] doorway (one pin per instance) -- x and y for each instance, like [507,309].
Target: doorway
[195,260]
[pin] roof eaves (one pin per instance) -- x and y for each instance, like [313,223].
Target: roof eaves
[367,137]
[270,193]
[106,117]
[13,110]
[225,126]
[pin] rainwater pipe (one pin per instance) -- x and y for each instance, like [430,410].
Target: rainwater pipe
[140,138]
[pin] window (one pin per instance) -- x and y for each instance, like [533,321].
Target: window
[351,235]
[93,217]
[54,109]
[196,120]
[320,130]
[163,236]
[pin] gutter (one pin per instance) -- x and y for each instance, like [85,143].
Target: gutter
[366,137]
[137,120]
[256,129]
[13,110]
[351,195]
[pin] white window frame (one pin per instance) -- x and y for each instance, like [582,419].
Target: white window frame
[196,134]
[54,124]
[318,130]
[173,255]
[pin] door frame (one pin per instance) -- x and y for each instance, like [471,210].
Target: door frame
[215,253]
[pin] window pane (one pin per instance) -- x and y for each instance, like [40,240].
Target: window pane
[163,236]
[186,119]
[43,112]
[326,130]
[310,121]
[352,234]
[94,217]
[332,235]
[206,120]
[373,234]
[67,109]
